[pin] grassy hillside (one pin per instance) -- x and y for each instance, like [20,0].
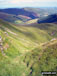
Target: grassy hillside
[19,43]
[42,58]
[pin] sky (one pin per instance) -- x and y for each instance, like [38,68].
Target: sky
[27,3]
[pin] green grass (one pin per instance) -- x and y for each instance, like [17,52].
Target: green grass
[23,46]
[42,59]
[19,22]
[32,21]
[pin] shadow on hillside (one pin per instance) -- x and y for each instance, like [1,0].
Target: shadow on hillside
[43,26]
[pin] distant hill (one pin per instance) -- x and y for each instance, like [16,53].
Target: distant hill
[8,17]
[19,15]
[13,18]
[48,19]
[42,11]
[16,11]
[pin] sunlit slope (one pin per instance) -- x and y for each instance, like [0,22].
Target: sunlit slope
[17,42]
[32,21]
[29,36]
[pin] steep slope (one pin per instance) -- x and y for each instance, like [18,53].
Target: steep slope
[11,63]
[42,58]
[19,42]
